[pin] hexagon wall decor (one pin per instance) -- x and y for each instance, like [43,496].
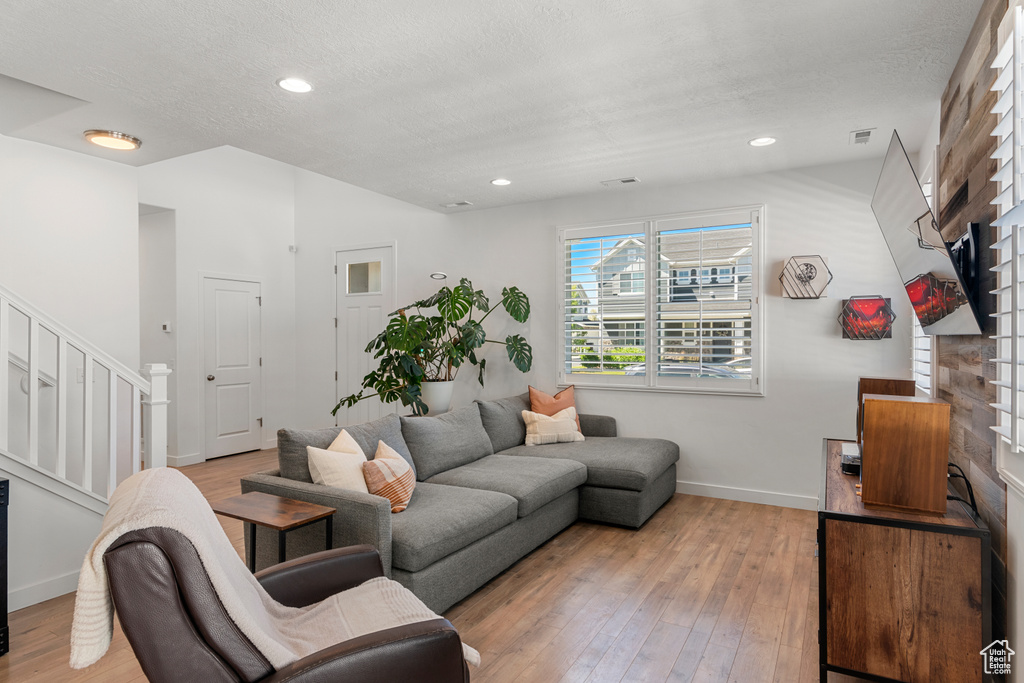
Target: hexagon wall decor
[934,298]
[805,277]
[867,317]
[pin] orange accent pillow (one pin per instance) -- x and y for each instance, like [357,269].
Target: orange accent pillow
[390,476]
[546,404]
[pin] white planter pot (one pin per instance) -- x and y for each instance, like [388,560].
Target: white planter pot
[437,396]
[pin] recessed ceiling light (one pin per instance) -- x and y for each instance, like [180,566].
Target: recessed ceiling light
[761,142]
[295,85]
[501,181]
[111,139]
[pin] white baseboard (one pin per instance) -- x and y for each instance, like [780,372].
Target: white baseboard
[43,590]
[182,460]
[786,500]
[270,443]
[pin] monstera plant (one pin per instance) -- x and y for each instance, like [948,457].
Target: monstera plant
[418,347]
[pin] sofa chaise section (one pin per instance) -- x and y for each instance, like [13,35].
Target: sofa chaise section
[627,480]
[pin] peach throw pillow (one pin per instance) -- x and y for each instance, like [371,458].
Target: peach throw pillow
[390,476]
[546,404]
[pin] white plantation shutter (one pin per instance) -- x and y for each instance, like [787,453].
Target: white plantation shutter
[604,303]
[704,311]
[921,357]
[1009,243]
[669,303]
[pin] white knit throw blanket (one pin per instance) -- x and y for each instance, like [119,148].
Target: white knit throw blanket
[165,497]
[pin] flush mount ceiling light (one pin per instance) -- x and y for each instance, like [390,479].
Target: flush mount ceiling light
[761,142]
[439,276]
[501,181]
[111,139]
[295,85]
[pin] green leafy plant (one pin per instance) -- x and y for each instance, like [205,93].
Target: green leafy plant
[416,347]
[616,359]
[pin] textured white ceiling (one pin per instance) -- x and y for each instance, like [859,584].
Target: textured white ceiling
[428,101]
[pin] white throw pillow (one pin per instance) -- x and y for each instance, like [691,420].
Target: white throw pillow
[558,428]
[340,466]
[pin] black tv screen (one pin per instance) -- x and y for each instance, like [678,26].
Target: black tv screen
[938,268]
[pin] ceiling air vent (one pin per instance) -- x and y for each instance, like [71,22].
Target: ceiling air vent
[620,181]
[861,137]
[455,205]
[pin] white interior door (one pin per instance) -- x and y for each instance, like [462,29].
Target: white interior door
[231,366]
[365,284]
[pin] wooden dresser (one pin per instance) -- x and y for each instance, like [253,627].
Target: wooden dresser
[903,597]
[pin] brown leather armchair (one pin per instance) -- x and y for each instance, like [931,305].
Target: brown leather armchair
[180,631]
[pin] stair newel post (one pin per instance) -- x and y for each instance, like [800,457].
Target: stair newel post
[154,415]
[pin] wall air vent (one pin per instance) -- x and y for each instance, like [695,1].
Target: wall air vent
[455,205]
[620,181]
[861,137]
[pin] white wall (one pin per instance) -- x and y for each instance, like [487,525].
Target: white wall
[762,449]
[766,449]
[332,215]
[234,217]
[69,246]
[158,299]
[48,537]
[69,241]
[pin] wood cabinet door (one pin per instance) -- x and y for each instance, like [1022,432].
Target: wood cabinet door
[903,603]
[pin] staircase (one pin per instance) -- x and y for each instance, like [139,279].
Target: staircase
[74,420]
[74,423]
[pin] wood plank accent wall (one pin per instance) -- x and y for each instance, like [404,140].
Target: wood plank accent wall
[964,195]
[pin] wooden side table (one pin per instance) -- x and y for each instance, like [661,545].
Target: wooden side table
[274,512]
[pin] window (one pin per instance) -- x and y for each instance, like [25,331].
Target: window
[690,322]
[631,282]
[921,357]
[921,343]
[364,278]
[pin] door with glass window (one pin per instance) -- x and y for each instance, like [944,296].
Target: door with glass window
[365,296]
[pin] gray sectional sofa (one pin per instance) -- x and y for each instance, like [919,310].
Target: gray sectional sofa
[483,499]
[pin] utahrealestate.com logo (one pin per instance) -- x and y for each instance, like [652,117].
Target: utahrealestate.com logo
[997,657]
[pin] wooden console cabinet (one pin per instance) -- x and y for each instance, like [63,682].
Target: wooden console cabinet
[903,597]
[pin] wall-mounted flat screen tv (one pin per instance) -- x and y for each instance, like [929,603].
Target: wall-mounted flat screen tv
[939,269]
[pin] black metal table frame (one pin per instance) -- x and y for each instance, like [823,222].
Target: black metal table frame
[282,535]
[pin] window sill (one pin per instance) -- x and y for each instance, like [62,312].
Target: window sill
[758,393]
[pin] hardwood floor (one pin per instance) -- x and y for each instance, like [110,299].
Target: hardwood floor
[708,590]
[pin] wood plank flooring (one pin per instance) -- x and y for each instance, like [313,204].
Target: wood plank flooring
[708,590]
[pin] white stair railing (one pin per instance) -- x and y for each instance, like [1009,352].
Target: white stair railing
[71,412]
